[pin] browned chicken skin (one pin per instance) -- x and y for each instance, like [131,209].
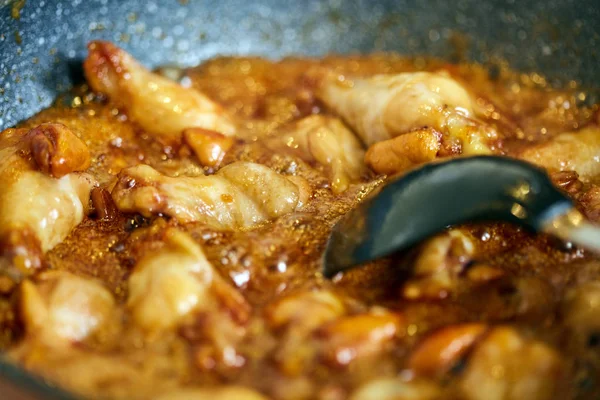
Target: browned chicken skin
[162,107]
[43,198]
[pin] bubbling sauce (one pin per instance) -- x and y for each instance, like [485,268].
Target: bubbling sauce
[483,311]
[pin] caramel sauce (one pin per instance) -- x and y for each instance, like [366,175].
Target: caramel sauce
[525,276]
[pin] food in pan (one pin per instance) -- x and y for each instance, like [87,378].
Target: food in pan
[161,237]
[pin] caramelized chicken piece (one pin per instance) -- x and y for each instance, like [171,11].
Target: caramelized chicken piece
[590,200]
[295,318]
[465,135]
[209,146]
[567,180]
[305,311]
[160,106]
[383,107]
[276,194]
[440,351]
[240,195]
[49,207]
[482,273]
[506,366]
[220,393]
[83,372]
[50,148]
[438,264]
[131,373]
[42,198]
[327,141]
[176,288]
[171,283]
[577,151]
[404,152]
[396,389]
[355,336]
[63,308]
[314,324]
[56,150]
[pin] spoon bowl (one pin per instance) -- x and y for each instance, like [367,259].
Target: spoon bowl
[436,196]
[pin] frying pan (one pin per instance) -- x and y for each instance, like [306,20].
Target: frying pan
[42,43]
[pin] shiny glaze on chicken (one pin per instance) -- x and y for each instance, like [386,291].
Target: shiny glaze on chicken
[161,237]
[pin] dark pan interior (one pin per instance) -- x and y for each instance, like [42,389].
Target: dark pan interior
[43,41]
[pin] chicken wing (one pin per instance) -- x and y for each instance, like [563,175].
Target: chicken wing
[577,151]
[357,336]
[240,195]
[384,106]
[433,108]
[439,264]
[209,147]
[63,308]
[529,369]
[42,197]
[440,351]
[295,318]
[327,141]
[160,106]
[171,283]
[404,152]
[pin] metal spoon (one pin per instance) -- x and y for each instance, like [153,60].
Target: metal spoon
[431,198]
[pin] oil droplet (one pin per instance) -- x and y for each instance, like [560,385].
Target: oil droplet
[434,35]
[240,278]
[337,277]
[281,266]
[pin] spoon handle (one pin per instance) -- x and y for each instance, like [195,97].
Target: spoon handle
[573,227]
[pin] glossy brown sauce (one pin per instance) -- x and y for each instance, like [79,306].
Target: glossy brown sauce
[283,257]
